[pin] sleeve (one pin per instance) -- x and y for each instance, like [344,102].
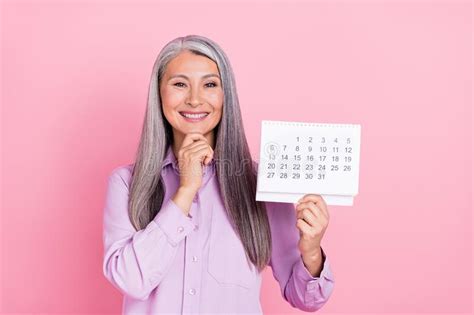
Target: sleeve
[136,261]
[298,286]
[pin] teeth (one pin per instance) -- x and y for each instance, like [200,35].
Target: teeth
[194,115]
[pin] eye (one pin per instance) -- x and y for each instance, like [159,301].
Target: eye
[213,84]
[179,83]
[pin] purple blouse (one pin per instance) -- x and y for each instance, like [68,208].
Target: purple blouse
[197,264]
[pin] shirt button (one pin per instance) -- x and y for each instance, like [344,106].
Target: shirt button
[311,286]
[195,258]
[180,229]
[192,291]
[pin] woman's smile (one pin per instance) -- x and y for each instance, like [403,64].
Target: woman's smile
[192,96]
[194,116]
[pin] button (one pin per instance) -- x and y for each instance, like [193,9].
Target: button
[192,291]
[195,258]
[180,229]
[311,286]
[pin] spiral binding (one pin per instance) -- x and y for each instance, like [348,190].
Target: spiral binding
[308,124]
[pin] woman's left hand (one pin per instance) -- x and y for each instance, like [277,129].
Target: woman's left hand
[312,220]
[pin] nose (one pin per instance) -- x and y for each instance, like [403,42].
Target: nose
[193,99]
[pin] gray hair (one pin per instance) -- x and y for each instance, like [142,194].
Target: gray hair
[237,176]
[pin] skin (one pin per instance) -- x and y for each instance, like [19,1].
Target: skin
[193,144]
[194,93]
[312,221]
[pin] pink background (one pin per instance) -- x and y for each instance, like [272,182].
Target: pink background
[74,85]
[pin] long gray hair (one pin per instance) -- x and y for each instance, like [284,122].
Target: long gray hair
[235,169]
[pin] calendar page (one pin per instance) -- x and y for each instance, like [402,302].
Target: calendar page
[297,158]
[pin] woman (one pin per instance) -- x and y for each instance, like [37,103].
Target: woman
[183,232]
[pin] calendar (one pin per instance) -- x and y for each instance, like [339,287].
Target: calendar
[297,158]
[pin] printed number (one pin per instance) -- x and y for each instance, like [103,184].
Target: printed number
[347,167]
[296,175]
[283,175]
[271,166]
[334,167]
[308,176]
[270,174]
[348,150]
[320,176]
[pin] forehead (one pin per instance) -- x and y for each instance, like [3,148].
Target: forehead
[187,62]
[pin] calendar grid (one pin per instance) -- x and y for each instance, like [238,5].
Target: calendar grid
[302,157]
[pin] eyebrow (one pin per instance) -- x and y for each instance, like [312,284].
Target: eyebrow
[203,77]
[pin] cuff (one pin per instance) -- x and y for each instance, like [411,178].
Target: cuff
[312,282]
[173,222]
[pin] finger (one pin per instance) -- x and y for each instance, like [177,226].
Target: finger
[311,206]
[320,222]
[313,215]
[318,200]
[188,150]
[203,153]
[303,226]
[307,215]
[191,137]
[209,154]
[209,157]
[198,148]
[194,144]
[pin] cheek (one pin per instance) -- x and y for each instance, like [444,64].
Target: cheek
[170,98]
[217,101]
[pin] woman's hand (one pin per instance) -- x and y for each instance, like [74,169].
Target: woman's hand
[194,152]
[312,220]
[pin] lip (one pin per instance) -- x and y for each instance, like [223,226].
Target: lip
[193,119]
[188,112]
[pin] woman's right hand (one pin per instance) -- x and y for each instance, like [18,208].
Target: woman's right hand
[194,152]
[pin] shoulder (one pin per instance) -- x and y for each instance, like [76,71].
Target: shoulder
[122,173]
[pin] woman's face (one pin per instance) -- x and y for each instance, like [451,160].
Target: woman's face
[191,94]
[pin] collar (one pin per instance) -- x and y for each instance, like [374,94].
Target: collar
[169,158]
